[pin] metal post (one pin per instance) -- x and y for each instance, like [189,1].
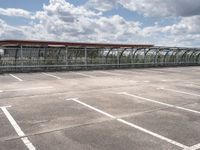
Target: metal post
[144,56]
[66,56]
[86,57]
[102,57]
[21,55]
[132,56]
[118,53]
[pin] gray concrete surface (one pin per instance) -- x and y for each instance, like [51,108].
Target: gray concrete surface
[132,109]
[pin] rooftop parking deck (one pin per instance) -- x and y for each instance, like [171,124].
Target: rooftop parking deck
[129,109]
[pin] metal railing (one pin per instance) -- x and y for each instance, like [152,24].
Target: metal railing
[14,59]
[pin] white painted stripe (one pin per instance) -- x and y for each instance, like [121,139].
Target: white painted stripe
[17,129]
[16,77]
[50,75]
[110,73]
[195,147]
[153,71]
[27,89]
[176,71]
[146,99]
[85,75]
[153,134]
[129,72]
[133,81]
[93,108]
[193,85]
[131,124]
[186,109]
[164,80]
[182,92]
[158,102]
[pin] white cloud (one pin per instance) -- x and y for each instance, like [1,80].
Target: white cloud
[101,5]
[187,25]
[163,8]
[153,8]
[16,12]
[64,21]
[61,21]
[10,32]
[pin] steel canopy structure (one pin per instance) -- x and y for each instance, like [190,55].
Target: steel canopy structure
[24,55]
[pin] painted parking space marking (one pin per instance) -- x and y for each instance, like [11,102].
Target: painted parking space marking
[129,71]
[110,73]
[192,85]
[158,102]
[19,79]
[18,130]
[153,134]
[50,75]
[165,80]
[130,124]
[153,71]
[195,147]
[177,91]
[26,89]
[95,109]
[85,75]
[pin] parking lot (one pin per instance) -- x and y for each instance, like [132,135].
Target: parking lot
[130,109]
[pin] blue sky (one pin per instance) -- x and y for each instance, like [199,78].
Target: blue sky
[172,22]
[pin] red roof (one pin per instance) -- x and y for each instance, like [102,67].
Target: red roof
[70,44]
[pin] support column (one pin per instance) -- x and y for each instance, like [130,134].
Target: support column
[86,57]
[118,61]
[66,56]
[21,55]
[132,56]
[144,56]
[102,56]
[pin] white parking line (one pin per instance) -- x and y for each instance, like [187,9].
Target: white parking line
[158,102]
[16,77]
[130,124]
[25,140]
[182,92]
[110,73]
[195,147]
[130,72]
[85,75]
[27,89]
[153,134]
[50,75]
[164,80]
[95,109]
[193,85]
[153,71]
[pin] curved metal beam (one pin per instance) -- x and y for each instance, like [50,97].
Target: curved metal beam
[121,54]
[192,54]
[182,58]
[108,55]
[165,56]
[163,51]
[198,58]
[134,54]
[145,54]
[156,56]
